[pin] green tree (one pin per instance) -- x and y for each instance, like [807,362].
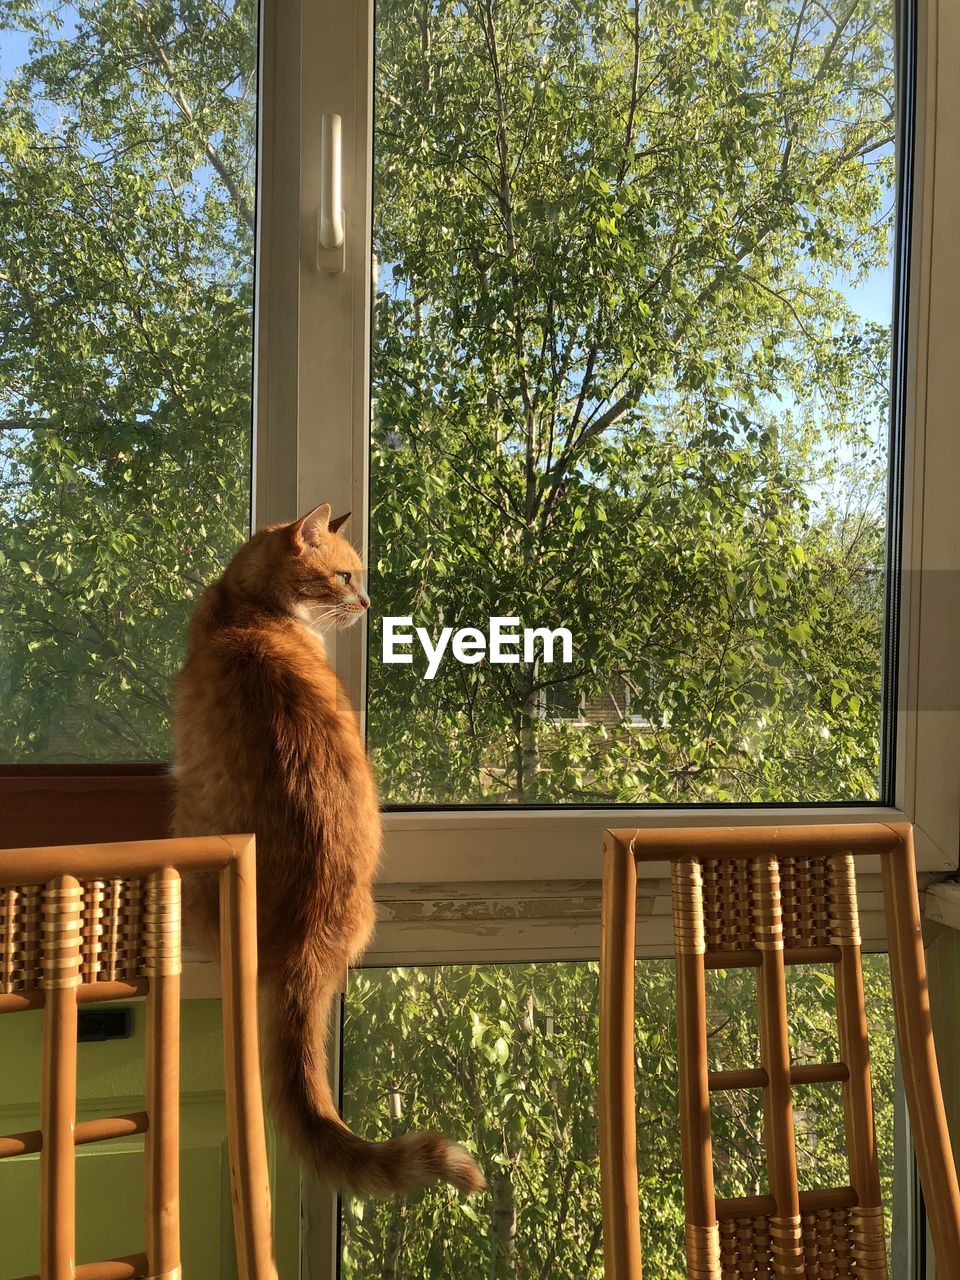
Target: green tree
[126,249]
[616,373]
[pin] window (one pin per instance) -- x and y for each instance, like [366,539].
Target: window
[127,161]
[797,726]
[632,375]
[561,702]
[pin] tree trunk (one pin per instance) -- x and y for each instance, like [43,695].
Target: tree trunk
[394,1235]
[503,1227]
[393,1243]
[529,750]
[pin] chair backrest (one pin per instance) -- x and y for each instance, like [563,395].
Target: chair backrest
[763,899]
[83,923]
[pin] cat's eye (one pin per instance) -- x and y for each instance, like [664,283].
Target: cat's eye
[344,576]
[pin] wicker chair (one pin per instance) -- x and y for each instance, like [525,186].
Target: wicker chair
[765,898]
[102,922]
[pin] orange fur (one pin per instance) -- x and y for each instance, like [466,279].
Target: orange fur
[267,742]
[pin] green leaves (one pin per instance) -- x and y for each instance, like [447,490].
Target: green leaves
[531,1120]
[125,341]
[615,370]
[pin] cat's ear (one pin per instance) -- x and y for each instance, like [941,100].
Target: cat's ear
[309,529]
[339,522]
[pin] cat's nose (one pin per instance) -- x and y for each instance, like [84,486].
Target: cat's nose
[364,600]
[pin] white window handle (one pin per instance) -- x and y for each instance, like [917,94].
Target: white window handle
[330,229]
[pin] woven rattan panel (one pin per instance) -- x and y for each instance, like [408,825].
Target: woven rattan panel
[111,929]
[727,904]
[828,1249]
[809,900]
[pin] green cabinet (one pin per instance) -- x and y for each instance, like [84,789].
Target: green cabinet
[110,1174]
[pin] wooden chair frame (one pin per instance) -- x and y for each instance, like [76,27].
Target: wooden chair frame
[53,902]
[687,850]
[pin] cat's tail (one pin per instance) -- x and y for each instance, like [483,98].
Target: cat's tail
[302,1106]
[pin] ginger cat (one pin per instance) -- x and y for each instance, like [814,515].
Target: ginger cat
[267,742]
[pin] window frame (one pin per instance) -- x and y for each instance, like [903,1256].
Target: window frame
[312,352]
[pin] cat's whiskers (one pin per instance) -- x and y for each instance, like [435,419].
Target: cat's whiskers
[319,615]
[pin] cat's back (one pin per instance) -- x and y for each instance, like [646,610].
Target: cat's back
[257,715]
[244,672]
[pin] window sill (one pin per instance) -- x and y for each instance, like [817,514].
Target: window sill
[443,846]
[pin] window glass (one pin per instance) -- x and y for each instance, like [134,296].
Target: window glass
[127,154]
[631,377]
[504,1059]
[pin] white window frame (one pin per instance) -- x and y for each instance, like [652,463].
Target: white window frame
[312,412]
